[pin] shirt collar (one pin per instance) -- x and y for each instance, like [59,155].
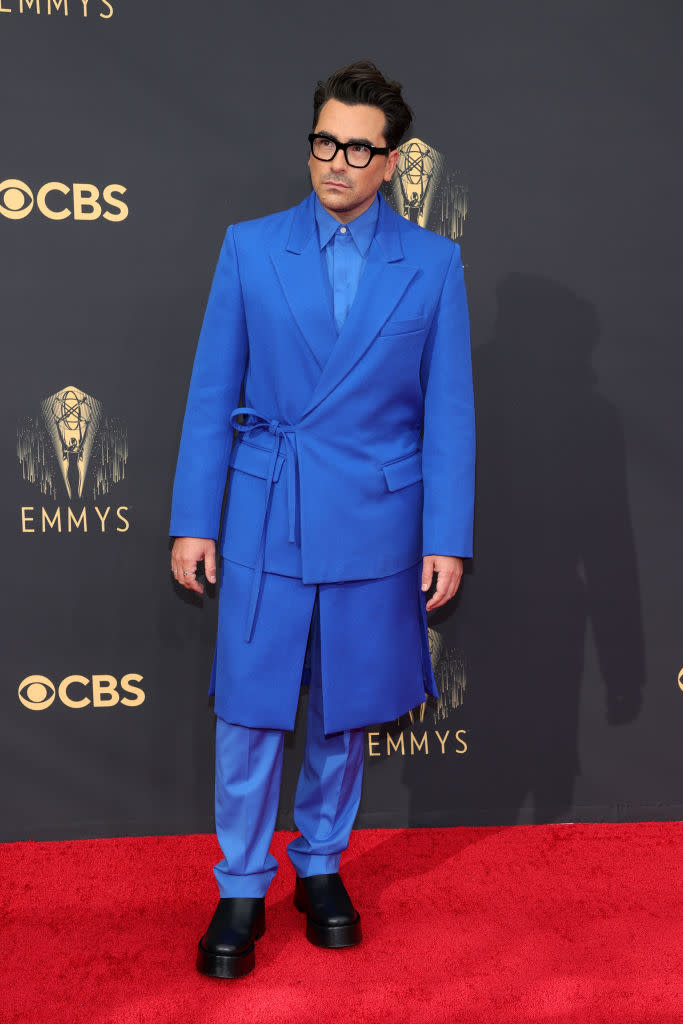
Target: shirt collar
[362,229]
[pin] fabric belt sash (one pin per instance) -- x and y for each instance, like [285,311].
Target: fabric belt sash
[254,423]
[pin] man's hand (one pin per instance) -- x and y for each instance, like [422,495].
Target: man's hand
[449,572]
[187,551]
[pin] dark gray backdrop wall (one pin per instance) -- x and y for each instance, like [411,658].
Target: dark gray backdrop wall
[138,132]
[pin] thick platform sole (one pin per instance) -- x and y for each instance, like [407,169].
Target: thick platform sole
[327,936]
[229,965]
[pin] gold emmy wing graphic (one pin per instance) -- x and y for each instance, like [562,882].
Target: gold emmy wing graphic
[70,436]
[425,191]
[449,674]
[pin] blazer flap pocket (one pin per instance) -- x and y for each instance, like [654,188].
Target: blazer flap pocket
[255,461]
[403,326]
[401,472]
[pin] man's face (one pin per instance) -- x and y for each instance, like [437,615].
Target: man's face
[345,191]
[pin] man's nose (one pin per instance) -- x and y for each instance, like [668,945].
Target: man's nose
[339,161]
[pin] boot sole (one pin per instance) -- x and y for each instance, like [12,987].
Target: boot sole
[331,936]
[229,965]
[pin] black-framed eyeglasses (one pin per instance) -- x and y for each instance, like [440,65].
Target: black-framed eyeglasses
[357,154]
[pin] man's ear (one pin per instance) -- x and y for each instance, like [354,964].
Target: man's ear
[392,160]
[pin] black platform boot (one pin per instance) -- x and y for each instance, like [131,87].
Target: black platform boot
[226,950]
[331,920]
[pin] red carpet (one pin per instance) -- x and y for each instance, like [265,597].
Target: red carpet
[553,924]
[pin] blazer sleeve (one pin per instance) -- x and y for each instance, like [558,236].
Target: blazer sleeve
[215,386]
[448,451]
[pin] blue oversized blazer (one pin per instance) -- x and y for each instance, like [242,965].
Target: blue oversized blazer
[354,455]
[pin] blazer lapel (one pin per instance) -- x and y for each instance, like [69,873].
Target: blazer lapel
[385,278]
[300,271]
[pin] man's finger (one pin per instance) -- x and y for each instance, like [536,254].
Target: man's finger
[427,573]
[210,568]
[188,577]
[438,597]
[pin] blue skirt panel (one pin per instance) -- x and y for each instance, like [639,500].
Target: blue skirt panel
[374,648]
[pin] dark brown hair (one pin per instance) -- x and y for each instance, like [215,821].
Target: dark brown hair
[363,82]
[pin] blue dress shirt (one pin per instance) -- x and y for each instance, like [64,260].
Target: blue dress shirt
[345,249]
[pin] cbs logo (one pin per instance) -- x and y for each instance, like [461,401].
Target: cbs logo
[84,202]
[39,692]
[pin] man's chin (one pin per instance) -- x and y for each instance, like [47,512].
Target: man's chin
[336,198]
[335,195]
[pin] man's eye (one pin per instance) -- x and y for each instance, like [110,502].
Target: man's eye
[325,144]
[360,150]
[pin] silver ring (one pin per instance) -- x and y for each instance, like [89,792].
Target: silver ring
[193,573]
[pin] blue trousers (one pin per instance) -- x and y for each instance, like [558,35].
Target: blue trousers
[248,777]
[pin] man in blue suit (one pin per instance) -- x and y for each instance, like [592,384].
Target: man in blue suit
[332,388]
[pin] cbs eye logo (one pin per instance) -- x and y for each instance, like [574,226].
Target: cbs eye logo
[38,692]
[57,201]
[16,199]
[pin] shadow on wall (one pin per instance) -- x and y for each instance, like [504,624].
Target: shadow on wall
[554,551]
[554,547]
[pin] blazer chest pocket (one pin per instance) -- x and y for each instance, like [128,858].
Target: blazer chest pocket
[250,458]
[402,326]
[404,471]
